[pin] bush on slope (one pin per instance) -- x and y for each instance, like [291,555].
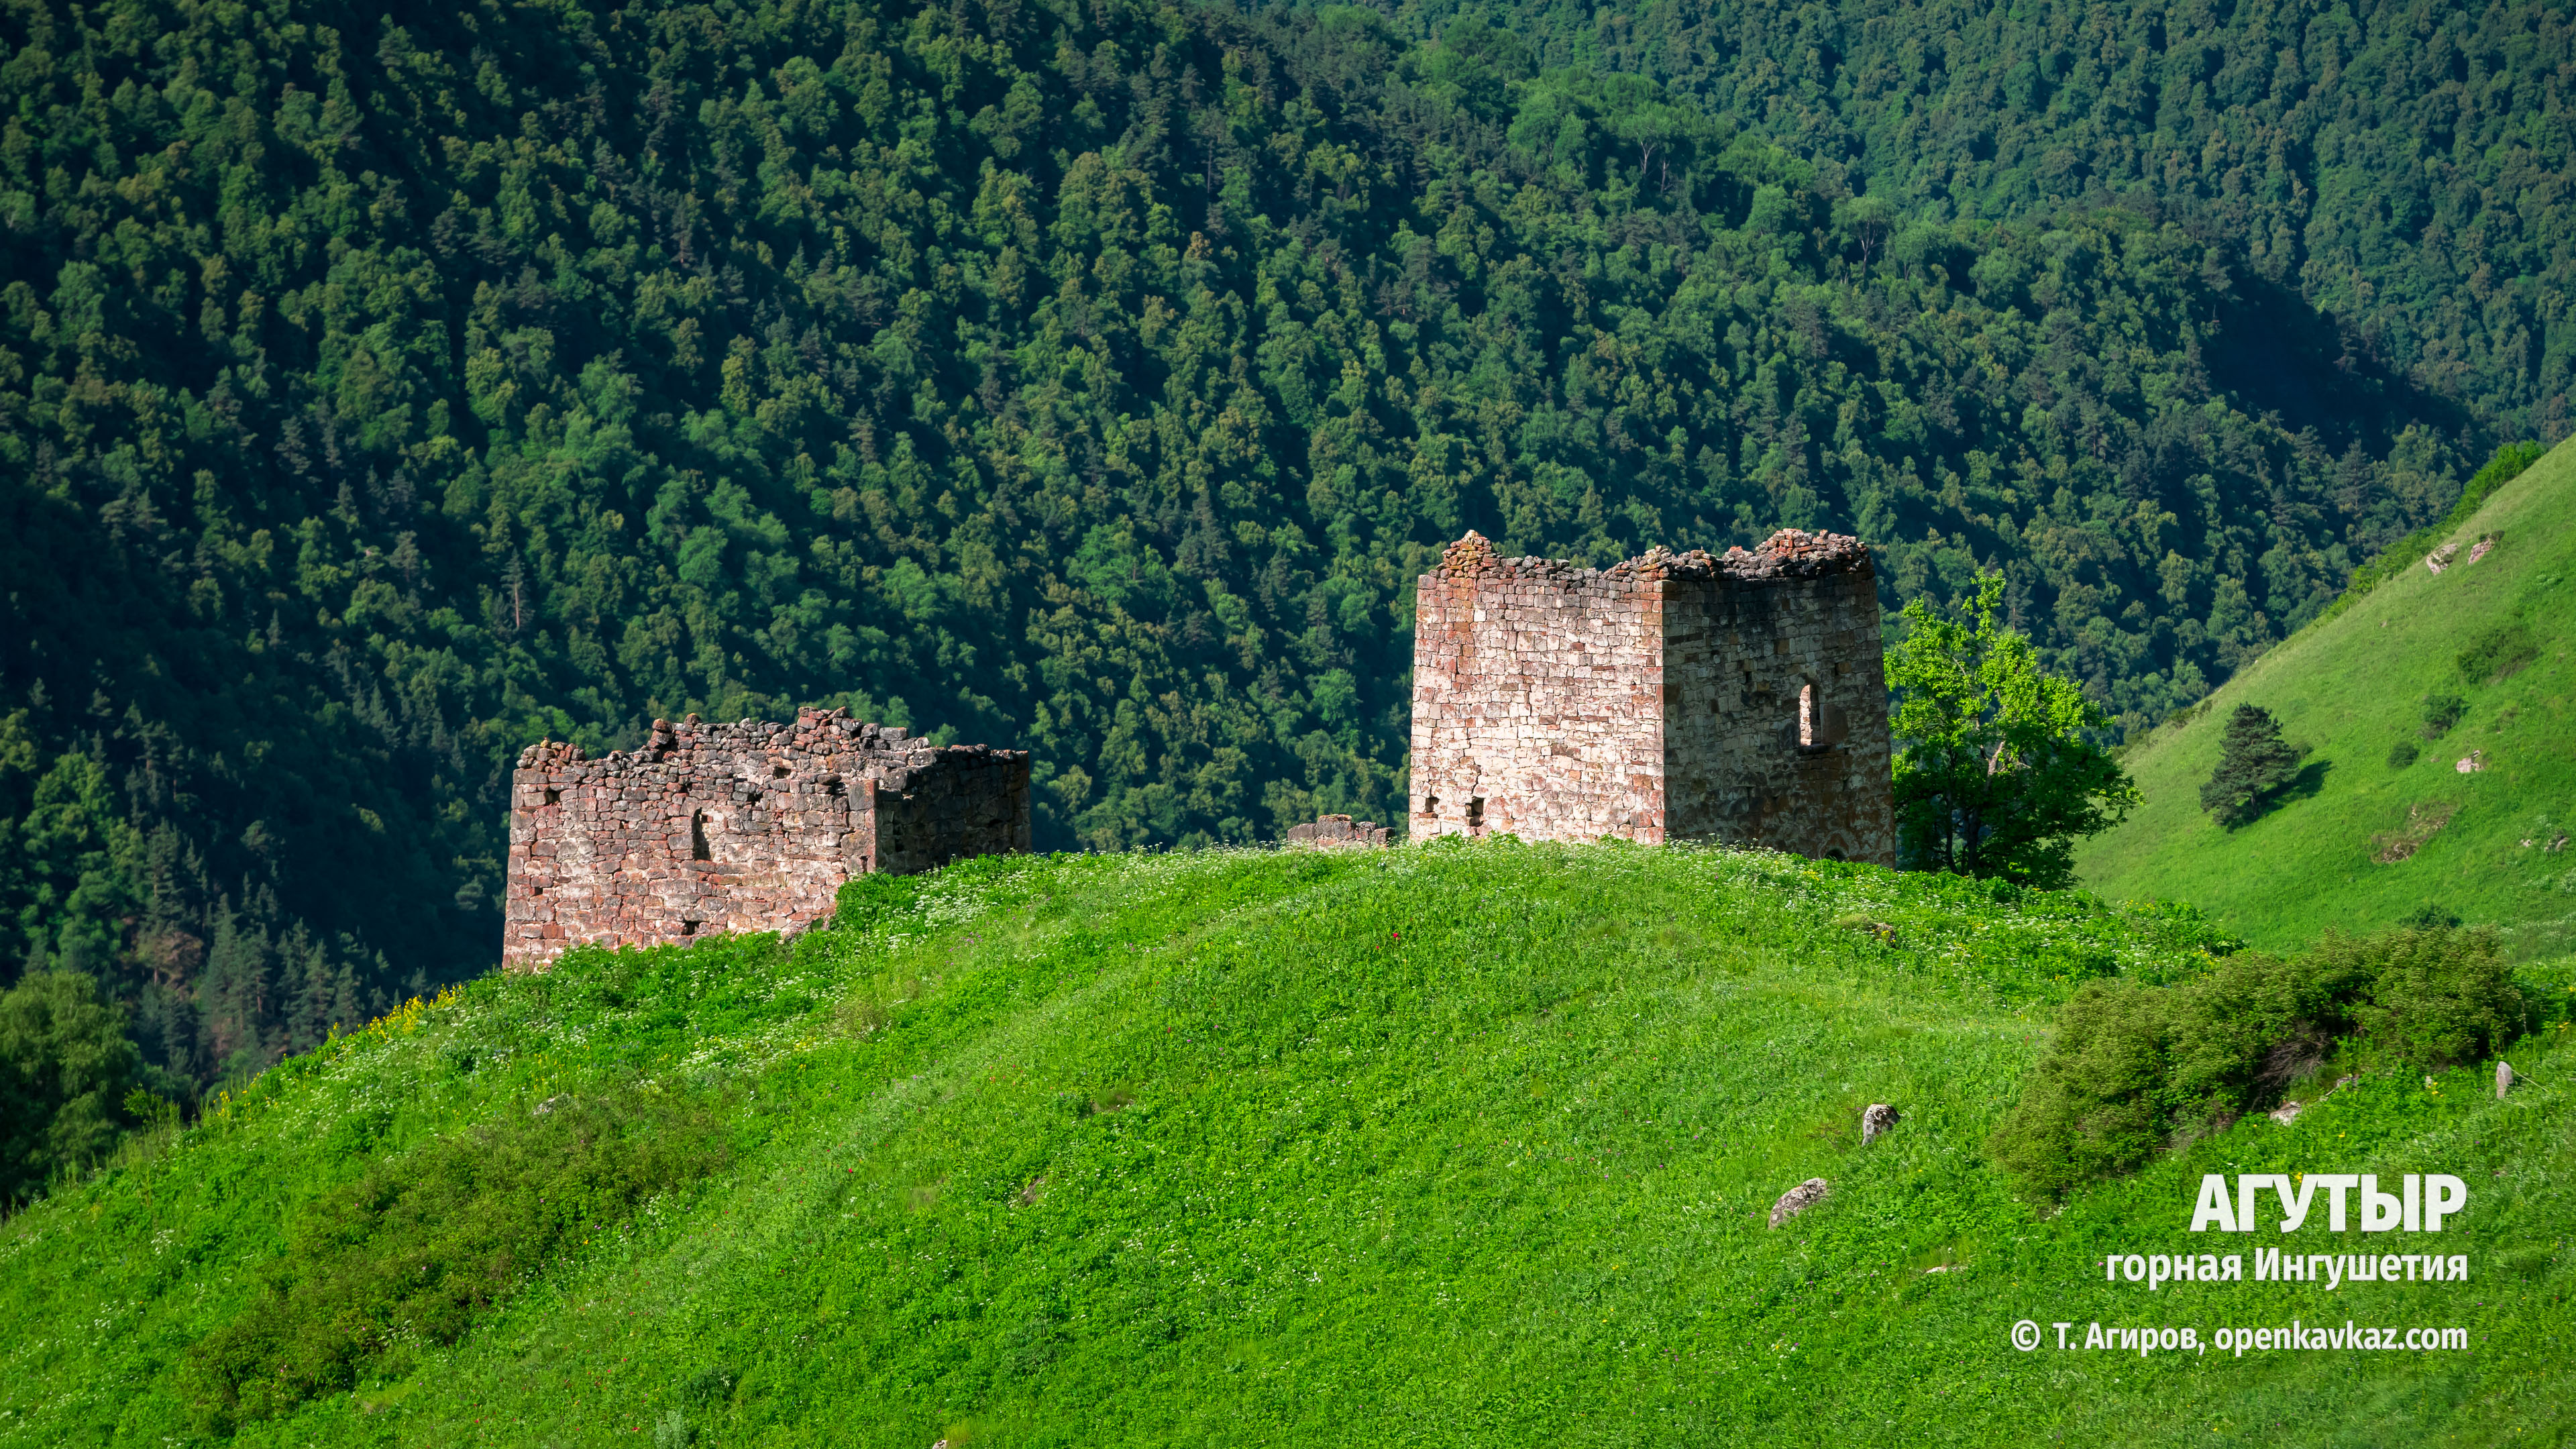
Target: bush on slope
[2134,1068]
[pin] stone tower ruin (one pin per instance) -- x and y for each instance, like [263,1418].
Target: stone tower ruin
[739,827]
[1671,697]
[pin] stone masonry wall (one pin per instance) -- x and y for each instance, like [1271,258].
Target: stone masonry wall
[738,827]
[1775,720]
[1537,699]
[1673,696]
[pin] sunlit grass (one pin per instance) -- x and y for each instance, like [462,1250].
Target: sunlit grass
[1458,1145]
[2352,688]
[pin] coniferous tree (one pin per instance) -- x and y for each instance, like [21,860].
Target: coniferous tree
[2254,765]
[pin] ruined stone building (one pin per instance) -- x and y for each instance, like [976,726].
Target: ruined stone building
[739,827]
[1670,697]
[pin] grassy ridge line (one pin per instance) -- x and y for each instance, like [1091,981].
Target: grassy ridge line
[1183,1069]
[2352,687]
[1458,1145]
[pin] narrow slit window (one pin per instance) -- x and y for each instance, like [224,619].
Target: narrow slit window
[1821,726]
[698,848]
[1476,813]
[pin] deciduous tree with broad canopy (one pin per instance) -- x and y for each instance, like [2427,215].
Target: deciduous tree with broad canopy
[1997,769]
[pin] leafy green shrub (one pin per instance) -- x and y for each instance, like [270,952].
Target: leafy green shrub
[419,1246]
[2441,712]
[2507,464]
[1996,771]
[2088,1110]
[2132,1066]
[2499,652]
[66,1070]
[2135,1067]
[2439,997]
[2402,754]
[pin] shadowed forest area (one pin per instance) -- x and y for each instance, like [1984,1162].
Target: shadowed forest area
[2394,163]
[381,391]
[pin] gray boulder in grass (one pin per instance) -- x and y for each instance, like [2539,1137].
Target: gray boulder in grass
[1797,1200]
[1876,1120]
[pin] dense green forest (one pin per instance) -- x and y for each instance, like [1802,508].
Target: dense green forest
[2405,165]
[381,390]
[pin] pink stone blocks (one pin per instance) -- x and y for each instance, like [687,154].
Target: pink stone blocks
[751,826]
[1670,697]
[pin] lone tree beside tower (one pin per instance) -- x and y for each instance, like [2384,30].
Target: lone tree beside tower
[1999,773]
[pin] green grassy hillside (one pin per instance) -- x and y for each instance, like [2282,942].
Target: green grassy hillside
[1448,1145]
[2498,634]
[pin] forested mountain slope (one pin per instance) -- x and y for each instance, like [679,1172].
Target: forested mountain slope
[382,389]
[2429,672]
[2405,165]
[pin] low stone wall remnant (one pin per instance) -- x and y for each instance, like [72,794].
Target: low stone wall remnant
[1338,830]
[750,826]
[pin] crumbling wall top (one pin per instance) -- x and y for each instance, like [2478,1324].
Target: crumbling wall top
[1794,554]
[1788,554]
[816,730]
